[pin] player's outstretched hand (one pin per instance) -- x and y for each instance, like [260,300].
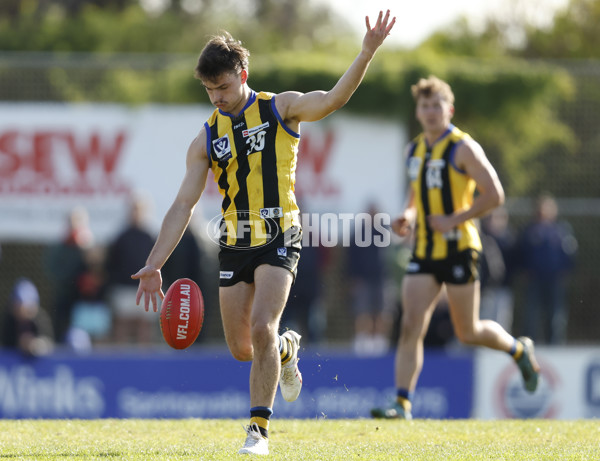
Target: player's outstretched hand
[376,35]
[150,285]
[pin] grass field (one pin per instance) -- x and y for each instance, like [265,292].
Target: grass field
[361,439]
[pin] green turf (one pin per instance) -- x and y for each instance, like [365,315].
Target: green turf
[195,439]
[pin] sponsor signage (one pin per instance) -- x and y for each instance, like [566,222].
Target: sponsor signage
[54,157]
[569,385]
[214,385]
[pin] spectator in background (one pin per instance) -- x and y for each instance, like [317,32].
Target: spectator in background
[64,264]
[27,327]
[185,261]
[546,250]
[91,314]
[125,255]
[367,274]
[497,268]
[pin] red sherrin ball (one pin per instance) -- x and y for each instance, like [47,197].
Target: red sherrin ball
[182,314]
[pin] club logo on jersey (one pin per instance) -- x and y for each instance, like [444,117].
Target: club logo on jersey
[276,212]
[282,252]
[222,148]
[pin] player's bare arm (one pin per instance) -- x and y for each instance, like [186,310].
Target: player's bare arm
[174,222]
[296,107]
[404,223]
[471,158]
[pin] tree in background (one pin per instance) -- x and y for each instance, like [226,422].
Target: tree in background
[523,111]
[173,26]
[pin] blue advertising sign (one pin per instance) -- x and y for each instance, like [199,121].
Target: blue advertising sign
[211,384]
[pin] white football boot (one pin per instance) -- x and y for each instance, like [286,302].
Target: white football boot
[255,443]
[290,381]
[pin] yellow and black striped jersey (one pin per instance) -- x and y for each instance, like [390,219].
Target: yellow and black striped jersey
[440,187]
[253,158]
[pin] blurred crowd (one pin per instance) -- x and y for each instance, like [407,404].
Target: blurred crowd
[93,301]
[538,256]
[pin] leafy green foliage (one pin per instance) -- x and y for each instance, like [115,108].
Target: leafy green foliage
[574,33]
[511,106]
[553,136]
[102,26]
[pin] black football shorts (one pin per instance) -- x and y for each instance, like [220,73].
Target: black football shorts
[238,265]
[458,269]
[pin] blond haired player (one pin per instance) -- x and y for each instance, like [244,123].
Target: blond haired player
[445,168]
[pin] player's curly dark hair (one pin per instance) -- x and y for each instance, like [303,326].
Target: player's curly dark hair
[221,54]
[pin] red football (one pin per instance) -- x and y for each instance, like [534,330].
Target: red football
[182,314]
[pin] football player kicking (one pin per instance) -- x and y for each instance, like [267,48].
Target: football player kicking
[445,167]
[251,143]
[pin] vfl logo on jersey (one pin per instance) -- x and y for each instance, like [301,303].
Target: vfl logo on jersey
[222,148]
[276,212]
[282,252]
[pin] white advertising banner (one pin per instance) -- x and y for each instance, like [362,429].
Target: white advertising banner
[54,157]
[569,386]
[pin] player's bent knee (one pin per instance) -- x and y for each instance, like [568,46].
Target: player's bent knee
[241,352]
[412,325]
[262,330]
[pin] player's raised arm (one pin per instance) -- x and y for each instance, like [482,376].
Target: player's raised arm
[174,222]
[403,224]
[298,107]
